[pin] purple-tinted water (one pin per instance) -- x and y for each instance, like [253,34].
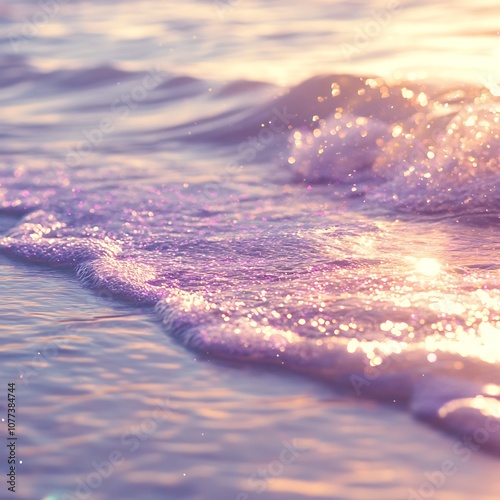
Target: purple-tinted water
[342,226]
[360,261]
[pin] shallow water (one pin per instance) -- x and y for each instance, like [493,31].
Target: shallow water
[100,377]
[282,190]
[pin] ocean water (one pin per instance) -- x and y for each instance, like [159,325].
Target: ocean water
[243,241]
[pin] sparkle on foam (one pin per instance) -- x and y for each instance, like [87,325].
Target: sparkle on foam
[428,266]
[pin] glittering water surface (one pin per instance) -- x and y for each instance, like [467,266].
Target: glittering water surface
[100,376]
[341,221]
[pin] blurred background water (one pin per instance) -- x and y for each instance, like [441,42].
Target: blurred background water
[200,200]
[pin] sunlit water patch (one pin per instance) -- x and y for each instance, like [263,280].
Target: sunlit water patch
[313,189]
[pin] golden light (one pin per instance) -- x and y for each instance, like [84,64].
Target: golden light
[428,267]
[492,390]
